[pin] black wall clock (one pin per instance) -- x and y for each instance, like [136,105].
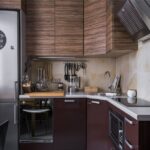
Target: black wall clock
[2,39]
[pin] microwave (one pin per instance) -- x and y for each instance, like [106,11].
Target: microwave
[116,129]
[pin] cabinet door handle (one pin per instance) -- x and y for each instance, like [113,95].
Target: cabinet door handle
[69,101]
[128,144]
[95,102]
[15,114]
[16,90]
[129,121]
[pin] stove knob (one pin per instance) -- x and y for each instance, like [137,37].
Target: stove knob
[23,102]
[48,102]
[43,102]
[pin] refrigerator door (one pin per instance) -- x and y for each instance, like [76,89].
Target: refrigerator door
[8,112]
[8,53]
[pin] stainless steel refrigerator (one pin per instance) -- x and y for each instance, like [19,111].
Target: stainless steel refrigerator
[9,74]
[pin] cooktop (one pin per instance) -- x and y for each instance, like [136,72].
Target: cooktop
[133,102]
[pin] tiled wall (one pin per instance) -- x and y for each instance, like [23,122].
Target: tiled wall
[94,76]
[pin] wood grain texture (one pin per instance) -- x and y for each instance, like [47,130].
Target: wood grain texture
[40,27]
[10,4]
[94,27]
[45,94]
[117,37]
[104,35]
[69,27]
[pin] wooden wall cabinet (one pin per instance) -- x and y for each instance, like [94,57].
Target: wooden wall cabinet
[69,124]
[103,32]
[40,27]
[69,27]
[54,27]
[11,4]
[97,126]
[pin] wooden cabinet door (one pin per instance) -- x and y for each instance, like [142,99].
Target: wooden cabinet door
[118,39]
[131,132]
[10,4]
[40,27]
[94,27]
[97,126]
[69,27]
[69,124]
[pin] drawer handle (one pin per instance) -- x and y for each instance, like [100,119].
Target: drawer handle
[128,144]
[128,121]
[69,101]
[95,102]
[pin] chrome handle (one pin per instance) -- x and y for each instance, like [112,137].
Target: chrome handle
[15,114]
[16,90]
[36,111]
[129,121]
[69,101]
[128,144]
[95,102]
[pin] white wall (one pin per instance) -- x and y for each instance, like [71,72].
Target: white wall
[135,70]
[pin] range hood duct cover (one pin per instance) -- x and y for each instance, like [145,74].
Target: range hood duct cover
[135,16]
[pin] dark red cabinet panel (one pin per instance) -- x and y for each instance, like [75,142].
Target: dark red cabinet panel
[97,126]
[36,146]
[131,131]
[69,124]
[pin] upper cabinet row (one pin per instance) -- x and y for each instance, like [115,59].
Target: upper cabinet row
[54,27]
[103,32]
[12,4]
[73,27]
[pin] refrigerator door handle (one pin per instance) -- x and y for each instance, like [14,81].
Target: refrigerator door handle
[15,114]
[16,90]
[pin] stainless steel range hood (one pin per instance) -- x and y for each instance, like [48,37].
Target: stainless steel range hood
[135,16]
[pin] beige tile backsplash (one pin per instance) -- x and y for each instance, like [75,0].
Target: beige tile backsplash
[94,76]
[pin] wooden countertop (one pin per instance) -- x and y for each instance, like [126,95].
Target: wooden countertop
[51,93]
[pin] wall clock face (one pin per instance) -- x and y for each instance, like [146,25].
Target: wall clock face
[2,39]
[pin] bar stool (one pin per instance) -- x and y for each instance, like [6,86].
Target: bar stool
[3,131]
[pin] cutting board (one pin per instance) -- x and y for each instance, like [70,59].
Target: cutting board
[42,94]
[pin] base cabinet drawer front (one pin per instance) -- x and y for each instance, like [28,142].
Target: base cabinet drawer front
[69,124]
[131,132]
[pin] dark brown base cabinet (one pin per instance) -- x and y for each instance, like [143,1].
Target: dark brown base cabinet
[136,133]
[70,124]
[97,126]
[35,146]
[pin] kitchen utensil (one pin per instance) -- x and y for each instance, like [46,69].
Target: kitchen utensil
[60,86]
[65,71]
[131,93]
[41,84]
